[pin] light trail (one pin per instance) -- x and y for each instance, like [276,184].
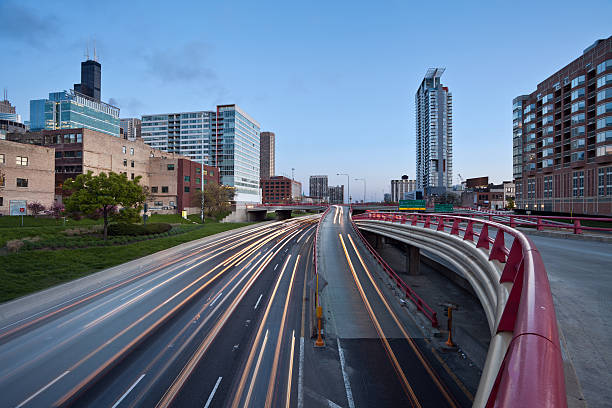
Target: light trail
[406,385]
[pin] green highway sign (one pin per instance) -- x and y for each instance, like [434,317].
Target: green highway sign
[443,208]
[412,205]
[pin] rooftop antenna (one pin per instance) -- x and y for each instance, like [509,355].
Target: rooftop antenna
[5,95]
[95,57]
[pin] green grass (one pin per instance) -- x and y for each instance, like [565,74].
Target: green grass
[30,271]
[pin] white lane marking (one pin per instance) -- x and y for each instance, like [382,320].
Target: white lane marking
[212,394]
[320,399]
[258,300]
[128,391]
[301,375]
[347,384]
[131,294]
[275,266]
[37,393]
[215,299]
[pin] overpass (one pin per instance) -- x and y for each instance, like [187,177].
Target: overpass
[257,212]
[524,365]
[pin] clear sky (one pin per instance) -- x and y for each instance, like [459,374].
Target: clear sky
[335,80]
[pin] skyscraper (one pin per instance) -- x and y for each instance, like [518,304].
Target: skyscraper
[336,194]
[434,142]
[91,79]
[235,150]
[318,187]
[267,154]
[132,128]
[400,187]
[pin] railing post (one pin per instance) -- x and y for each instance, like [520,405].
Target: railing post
[539,226]
[577,229]
[512,222]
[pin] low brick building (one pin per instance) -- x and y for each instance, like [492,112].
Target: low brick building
[279,189]
[27,176]
[174,180]
[78,151]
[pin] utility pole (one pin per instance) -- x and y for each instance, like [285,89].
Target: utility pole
[364,187]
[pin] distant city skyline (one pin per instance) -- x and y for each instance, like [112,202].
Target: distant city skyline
[319,83]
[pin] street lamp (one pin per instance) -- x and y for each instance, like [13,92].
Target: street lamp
[202,184]
[348,185]
[364,187]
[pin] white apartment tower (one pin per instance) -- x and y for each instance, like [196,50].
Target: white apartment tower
[434,134]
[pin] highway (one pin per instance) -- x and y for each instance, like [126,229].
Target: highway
[220,325]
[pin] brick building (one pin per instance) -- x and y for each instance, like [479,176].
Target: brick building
[562,138]
[78,151]
[27,175]
[174,180]
[279,189]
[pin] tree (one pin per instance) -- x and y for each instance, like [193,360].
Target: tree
[510,201]
[217,199]
[104,193]
[35,207]
[56,210]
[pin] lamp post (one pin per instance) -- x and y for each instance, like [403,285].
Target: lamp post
[202,184]
[364,187]
[348,185]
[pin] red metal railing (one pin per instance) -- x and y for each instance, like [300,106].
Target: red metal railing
[421,305]
[543,222]
[531,373]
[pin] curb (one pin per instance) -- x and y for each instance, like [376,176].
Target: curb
[579,237]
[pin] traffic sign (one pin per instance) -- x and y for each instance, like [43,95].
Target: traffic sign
[412,205]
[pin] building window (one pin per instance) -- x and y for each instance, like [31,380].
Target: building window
[131,151]
[605,136]
[2,180]
[171,203]
[186,189]
[604,150]
[198,170]
[198,180]
[164,189]
[1,201]
[124,162]
[578,81]
[578,93]
[21,182]
[578,106]
[158,203]
[187,178]
[154,189]
[601,123]
[171,167]
[79,138]
[578,184]
[609,180]
[1,158]
[604,108]
[604,66]
[124,149]
[604,94]
[21,161]
[578,131]
[132,163]
[601,180]
[212,172]
[579,118]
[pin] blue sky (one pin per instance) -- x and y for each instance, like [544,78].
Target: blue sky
[334,80]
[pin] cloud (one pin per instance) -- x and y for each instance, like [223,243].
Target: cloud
[129,106]
[181,64]
[23,25]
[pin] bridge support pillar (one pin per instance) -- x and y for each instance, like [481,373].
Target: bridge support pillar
[413,260]
[283,214]
[257,215]
[380,242]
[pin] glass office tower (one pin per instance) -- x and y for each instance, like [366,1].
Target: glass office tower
[70,109]
[235,146]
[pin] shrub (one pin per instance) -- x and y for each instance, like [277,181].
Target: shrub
[137,229]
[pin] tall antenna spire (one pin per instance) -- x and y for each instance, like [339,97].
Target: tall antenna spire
[95,56]
[87,51]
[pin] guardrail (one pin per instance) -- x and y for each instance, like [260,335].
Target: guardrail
[531,370]
[543,222]
[421,305]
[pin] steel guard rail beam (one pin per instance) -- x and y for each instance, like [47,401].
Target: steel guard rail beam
[531,372]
